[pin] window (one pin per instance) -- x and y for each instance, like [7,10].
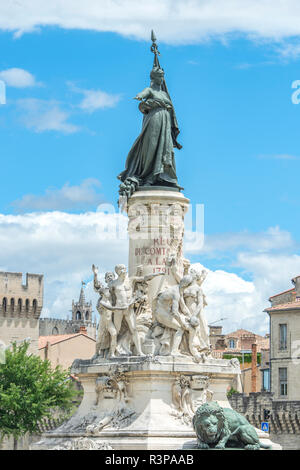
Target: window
[34,305]
[231,343]
[87,315]
[20,305]
[4,304]
[266,380]
[283,381]
[283,336]
[78,315]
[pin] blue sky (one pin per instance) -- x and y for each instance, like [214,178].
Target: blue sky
[233,104]
[70,120]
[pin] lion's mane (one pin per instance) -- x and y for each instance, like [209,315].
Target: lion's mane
[208,409]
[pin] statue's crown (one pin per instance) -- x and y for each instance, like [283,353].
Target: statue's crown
[157,72]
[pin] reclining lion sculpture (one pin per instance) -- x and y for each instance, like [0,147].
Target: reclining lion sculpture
[218,427]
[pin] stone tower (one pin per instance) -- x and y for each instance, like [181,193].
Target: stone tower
[81,317]
[82,310]
[82,314]
[20,307]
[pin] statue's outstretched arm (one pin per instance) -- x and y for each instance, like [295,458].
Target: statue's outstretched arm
[143,95]
[97,283]
[149,277]
[108,306]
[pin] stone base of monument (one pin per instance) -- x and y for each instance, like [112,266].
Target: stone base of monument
[133,403]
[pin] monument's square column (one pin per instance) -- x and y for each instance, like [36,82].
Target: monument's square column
[156,230]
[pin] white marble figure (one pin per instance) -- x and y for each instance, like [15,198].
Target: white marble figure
[142,310]
[122,299]
[170,312]
[195,301]
[174,323]
[140,290]
[183,314]
[107,333]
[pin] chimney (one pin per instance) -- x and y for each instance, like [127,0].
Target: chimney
[47,350]
[83,330]
[254,368]
[296,282]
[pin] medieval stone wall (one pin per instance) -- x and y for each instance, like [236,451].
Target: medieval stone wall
[284,416]
[58,326]
[20,307]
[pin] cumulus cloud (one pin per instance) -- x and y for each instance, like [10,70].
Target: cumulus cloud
[95,99]
[42,115]
[272,239]
[18,78]
[273,271]
[80,197]
[242,302]
[289,50]
[177,21]
[63,247]
[267,258]
[233,299]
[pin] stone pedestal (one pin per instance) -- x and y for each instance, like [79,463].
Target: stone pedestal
[137,403]
[148,401]
[156,229]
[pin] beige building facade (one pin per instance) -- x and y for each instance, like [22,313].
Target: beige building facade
[21,304]
[285,343]
[247,380]
[64,349]
[238,344]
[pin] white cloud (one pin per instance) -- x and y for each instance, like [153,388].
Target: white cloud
[273,272]
[272,239]
[242,302]
[43,115]
[185,21]
[68,197]
[18,78]
[268,258]
[63,247]
[95,99]
[289,50]
[235,300]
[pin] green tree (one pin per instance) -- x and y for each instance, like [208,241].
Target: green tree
[231,392]
[30,390]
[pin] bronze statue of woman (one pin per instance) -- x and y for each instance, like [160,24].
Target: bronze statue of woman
[151,161]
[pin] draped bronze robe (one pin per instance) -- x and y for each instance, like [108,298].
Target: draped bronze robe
[151,158]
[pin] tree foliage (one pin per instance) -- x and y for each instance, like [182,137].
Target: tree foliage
[231,392]
[30,389]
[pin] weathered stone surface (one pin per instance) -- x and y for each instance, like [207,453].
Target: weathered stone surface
[143,402]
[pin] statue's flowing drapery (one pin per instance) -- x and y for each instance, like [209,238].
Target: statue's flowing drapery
[151,158]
